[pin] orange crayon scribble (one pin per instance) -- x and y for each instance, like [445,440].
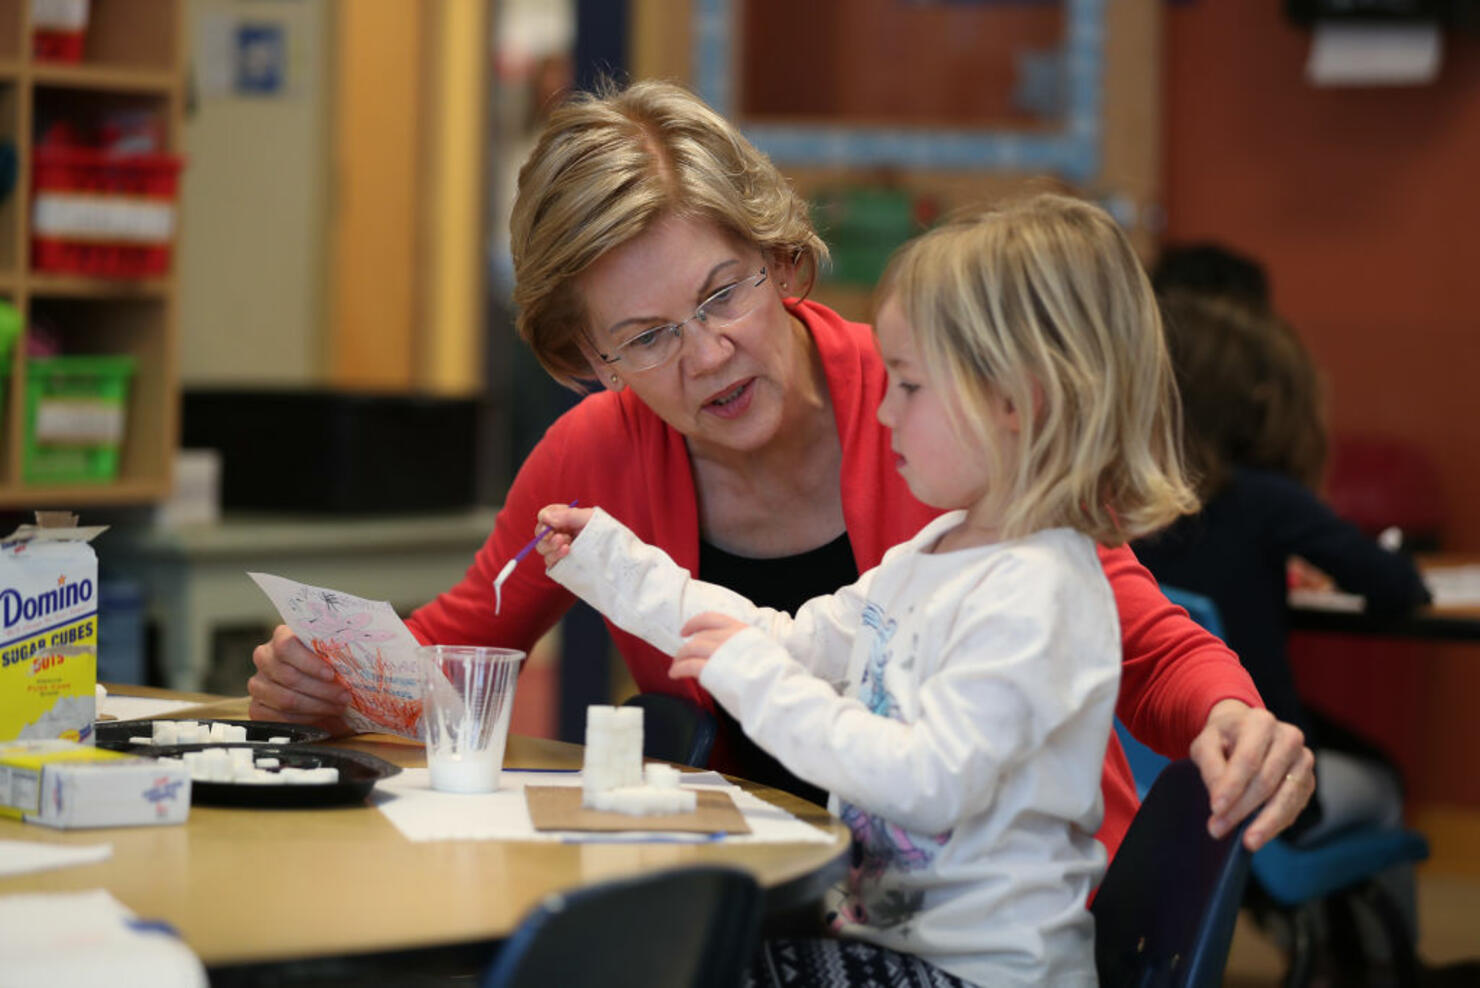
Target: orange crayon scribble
[371,697]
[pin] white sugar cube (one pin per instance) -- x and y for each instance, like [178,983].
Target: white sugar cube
[217,731]
[235,732]
[646,801]
[141,740]
[661,776]
[166,732]
[279,739]
[268,763]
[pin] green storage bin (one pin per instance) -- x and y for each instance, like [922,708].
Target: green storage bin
[75,418]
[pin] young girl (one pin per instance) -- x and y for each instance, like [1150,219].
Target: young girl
[1255,440]
[956,700]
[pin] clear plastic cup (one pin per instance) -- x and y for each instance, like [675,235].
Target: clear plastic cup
[467,696]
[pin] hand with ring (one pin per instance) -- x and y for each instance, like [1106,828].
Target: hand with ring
[1249,760]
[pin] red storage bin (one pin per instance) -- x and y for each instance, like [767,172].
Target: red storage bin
[59,29]
[103,215]
[58,46]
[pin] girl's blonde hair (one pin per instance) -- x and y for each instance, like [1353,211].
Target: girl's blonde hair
[1042,302]
[606,167]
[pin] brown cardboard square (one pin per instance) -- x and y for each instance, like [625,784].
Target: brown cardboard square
[559,808]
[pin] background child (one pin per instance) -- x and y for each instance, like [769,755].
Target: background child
[956,700]
[1255,442]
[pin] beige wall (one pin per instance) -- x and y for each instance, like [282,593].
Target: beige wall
[334,234]
[252,262]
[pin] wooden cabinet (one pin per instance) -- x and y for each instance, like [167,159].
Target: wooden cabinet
[132,68]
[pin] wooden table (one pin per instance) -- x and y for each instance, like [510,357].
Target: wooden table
[255,886]
[1447,623]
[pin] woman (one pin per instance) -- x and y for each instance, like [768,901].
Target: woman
[659,252]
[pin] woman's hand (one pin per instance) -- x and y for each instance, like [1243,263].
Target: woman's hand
[293,684]
[565,523]
[702,635]
[1248,759]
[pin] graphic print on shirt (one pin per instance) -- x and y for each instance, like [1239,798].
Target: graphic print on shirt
[882,846]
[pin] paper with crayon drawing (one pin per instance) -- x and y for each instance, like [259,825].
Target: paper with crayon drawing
[372,653]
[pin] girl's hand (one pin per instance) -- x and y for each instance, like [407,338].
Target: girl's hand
[703,634]
[565,524]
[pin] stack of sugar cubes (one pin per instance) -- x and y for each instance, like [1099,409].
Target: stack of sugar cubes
[612,778]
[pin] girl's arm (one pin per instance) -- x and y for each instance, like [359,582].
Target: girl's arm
[643,591]
[1304,525]
[1014,684]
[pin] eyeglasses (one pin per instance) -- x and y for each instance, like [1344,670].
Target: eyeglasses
[724,308]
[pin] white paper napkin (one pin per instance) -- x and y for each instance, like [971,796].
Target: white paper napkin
[20,856]
[421,813]
[88,938]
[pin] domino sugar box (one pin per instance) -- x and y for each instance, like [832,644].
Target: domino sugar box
[65,784]
[48,630]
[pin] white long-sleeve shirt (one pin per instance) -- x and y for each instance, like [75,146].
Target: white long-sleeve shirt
[957,707]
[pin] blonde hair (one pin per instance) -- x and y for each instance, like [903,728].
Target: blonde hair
[606,167]
[1042,302]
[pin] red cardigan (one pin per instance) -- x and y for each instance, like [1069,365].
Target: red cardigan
[612,451]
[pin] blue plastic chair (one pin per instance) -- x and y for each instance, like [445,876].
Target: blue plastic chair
[1165,912]
[1297,882]
[675,729]
[671,929]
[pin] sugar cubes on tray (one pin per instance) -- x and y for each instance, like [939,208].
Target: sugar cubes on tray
[170,732]
[241,765]
[612,776]
[236,761]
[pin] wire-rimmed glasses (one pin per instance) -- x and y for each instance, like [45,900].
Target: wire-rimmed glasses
[727,306]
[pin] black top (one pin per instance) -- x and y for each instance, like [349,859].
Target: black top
[784,583]
[1236,551]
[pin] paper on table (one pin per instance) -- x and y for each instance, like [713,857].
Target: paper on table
[20,856]
[422,814]
[136,707]
[372,653]
[82,938]
[1454,586]
[1450,586]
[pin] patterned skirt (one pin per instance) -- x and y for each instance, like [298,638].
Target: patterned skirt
[789,963]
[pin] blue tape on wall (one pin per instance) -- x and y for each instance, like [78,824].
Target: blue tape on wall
[1072,151]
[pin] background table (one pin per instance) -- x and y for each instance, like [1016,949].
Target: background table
[251,886]
[195,578]
[1342,612]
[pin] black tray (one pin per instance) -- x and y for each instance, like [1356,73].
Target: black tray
[114,734]
[358,773]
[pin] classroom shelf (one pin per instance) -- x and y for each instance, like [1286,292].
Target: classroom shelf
[104,78]
[133,60]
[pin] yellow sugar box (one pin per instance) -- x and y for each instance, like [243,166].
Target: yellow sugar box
[66,784]
[48,630]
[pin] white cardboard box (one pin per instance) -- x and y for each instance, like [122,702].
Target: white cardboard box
[65,784]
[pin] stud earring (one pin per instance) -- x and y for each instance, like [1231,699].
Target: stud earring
[616,380]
